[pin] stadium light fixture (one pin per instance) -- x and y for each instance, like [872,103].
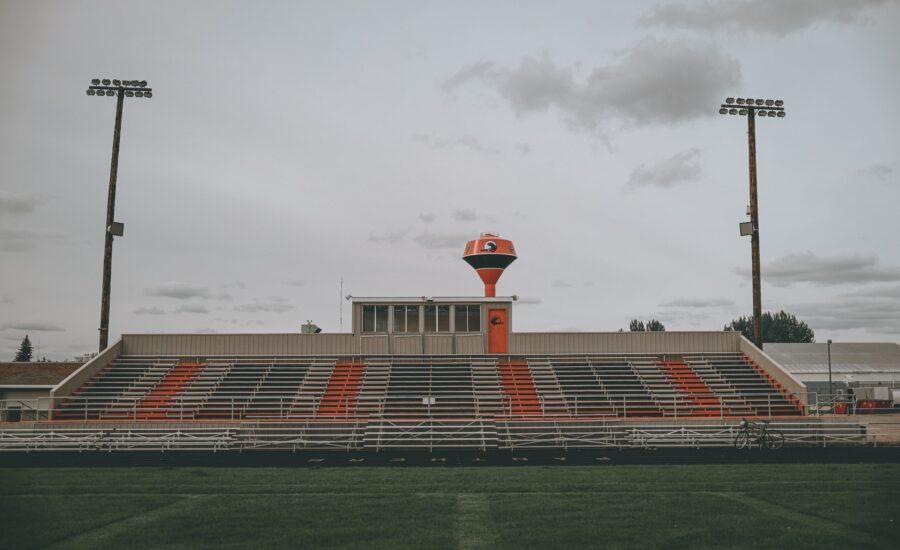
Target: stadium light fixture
[120,89]
[751,108]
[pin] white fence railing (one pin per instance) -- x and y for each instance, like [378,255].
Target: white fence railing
[428,435]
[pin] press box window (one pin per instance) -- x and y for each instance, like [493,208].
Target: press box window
[375,319]
[468,318]
[437,318]
[406,318]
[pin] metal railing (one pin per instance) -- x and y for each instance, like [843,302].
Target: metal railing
[422,435]
[300,406]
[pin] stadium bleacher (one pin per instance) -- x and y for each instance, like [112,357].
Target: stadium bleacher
[593,386]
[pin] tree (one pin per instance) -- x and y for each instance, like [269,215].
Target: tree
[652,326]
[24,352]
[781,327]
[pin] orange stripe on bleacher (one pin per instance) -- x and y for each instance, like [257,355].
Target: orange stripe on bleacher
[703,400]
[517,384]
[155,405]
[342,391]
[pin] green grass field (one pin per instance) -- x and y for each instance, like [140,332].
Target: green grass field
[712,506]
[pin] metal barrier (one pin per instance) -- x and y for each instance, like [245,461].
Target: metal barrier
[424,435]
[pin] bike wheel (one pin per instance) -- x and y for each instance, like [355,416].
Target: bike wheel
[774,440]
[742,440]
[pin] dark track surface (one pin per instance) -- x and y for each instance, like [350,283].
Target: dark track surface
[834,455]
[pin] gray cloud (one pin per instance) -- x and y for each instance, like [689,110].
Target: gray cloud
[35,326]
[879,170]
[392,237]
[464,215]
[237,283]
[764,16]
[272,305]
[806,267]
[6,300]
[297,283]
[19,240]
[467,142]
[848,313]
[890,291]
[149,311]
[524,149]
[18,205]
[192,308]
[561,284]
[427,217]
[484,69]
[650,83]
[698,303]
[681,168]
[186,291]
[427,239]
[440,241]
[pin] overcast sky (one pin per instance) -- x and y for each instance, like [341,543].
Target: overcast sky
[292,144]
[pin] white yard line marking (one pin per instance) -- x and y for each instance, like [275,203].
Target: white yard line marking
[818,523]
[474,526]
[102,536]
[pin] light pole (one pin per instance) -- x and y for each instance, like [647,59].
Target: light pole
[752,108]
[120,89]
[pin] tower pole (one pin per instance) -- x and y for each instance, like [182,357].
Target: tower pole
[110,216]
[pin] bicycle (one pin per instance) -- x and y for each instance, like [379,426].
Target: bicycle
[758,433]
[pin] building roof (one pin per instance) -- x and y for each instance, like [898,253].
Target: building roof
[35,374]
[433,299]
[849,358]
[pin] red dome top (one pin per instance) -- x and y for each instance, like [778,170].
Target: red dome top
[490,243]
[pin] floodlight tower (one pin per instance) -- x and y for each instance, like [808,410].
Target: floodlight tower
[752,108]
[120,89]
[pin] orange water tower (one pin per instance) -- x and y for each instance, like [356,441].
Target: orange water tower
[489,255]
